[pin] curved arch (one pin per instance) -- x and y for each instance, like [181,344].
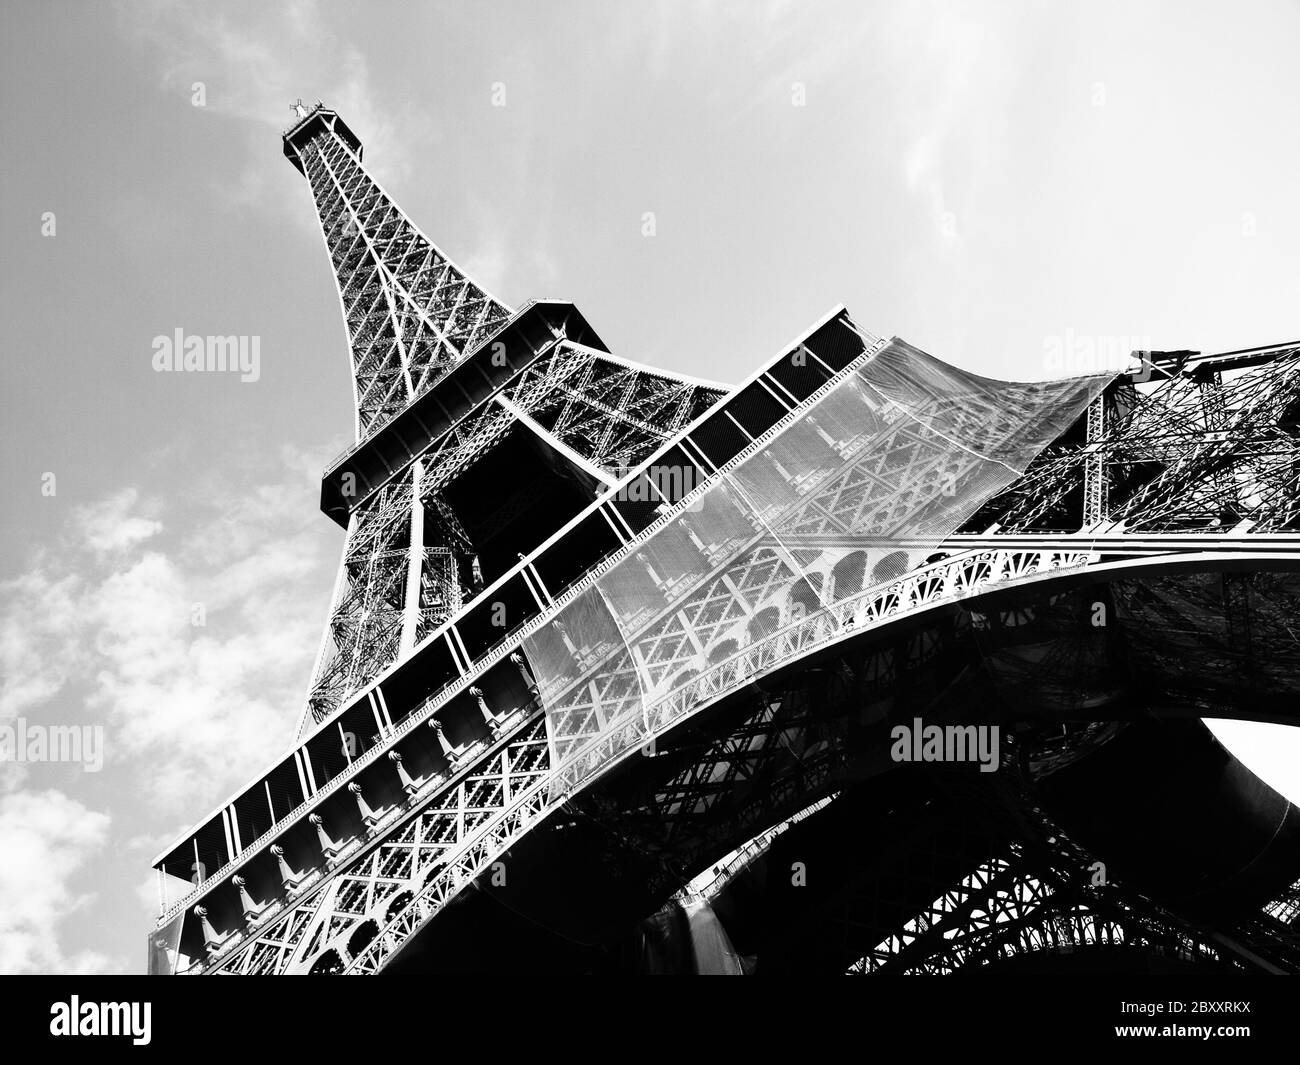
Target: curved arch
[328,964]
[683,676]
[995,576]
[395,905]
[890,568]
[362,936]
[722,650]
[804,595]
[763,624]
[848,574]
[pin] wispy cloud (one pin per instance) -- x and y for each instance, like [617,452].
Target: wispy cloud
[947,109]
[254,60]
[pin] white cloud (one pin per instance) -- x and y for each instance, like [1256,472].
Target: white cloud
[47,839]
[40,611]
[193,709]
[206,704]
[112,524]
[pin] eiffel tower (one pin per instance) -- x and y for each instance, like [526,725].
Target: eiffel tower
[616,657]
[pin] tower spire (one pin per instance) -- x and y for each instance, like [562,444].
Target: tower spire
[410,312]
[414,552]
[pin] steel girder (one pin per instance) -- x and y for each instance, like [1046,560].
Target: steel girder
[1188,452]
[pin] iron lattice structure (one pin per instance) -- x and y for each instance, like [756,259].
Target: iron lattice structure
[411,313]
[654,632]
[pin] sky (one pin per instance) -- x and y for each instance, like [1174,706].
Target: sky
[1005,185]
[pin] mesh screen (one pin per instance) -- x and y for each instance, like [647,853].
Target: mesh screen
[164,945]
[852,493]
[582,663]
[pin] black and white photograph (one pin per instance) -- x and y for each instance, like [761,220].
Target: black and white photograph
[513,493]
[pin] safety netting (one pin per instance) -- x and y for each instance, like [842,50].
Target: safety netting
[804,533]
[164,947]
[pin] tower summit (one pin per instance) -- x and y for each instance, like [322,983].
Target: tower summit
[410,311]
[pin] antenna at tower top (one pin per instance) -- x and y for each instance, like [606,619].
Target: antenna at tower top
[298,109]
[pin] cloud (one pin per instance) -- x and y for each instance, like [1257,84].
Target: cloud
[40,609]
[111,527]
[191,644]
[47,839]
[948,104]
